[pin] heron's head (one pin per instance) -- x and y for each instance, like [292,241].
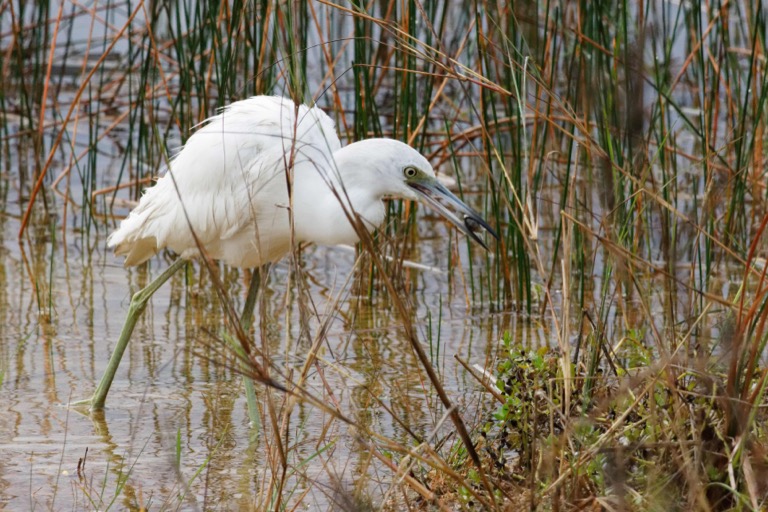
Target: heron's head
[402,172]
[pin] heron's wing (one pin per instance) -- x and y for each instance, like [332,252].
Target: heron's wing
[227,188]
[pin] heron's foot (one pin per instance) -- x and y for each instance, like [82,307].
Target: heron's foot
[80,403]
[88,402]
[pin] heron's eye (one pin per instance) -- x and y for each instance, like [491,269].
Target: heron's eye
[410,172]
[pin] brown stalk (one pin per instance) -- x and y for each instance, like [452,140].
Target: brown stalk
[75,102]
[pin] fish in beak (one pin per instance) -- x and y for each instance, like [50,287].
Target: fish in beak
[466,220]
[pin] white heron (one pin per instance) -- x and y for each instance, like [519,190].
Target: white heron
[260,176]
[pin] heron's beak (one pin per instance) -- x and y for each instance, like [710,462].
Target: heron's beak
[467,220]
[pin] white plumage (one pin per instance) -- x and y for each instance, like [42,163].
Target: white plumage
[231,190]
[229,184]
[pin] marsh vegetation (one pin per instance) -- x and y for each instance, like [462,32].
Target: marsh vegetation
[607,353]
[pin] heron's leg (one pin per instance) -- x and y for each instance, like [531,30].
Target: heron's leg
[138,304]
[246,320]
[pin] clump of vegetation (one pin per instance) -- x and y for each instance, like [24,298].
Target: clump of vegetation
[525,381]
[659,436]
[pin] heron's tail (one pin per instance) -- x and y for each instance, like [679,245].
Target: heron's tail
[130,240]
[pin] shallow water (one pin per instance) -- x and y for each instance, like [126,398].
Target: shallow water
[62,309]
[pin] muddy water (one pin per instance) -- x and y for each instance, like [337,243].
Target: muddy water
[176,431]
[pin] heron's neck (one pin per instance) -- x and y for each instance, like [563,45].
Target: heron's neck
[356,169]
[350,194]
[356,166]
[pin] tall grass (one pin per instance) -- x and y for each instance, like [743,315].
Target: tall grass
[617,148]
